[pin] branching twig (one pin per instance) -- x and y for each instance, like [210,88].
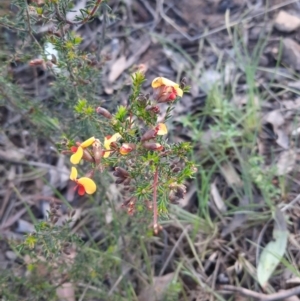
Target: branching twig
[263,297]
[11,27]
[24,115]
[30,31]
[87,18]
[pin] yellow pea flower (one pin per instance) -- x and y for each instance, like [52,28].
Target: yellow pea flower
[108,140]
[84,184]
[167,90]
[78,151]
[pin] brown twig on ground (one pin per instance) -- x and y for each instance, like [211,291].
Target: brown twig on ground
[220,28]
[17,216]
[90,15]
[260,296]
[155,223]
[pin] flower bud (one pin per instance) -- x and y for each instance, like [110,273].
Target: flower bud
[126,148]
[53,59]
[175,169]
[97,151]
[183,83]
[142,99]
[119,180]
[127,182]
[178,191]
[103,112]
[157,228]
[143,68]
[130,210]
[37,62]
[126,202]
[172,198]
[150,134]
[154,109]
[87,156]
[131,189]
[153,146]
[121,172]
[181,191]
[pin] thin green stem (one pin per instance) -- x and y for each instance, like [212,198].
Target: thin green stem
[155,212]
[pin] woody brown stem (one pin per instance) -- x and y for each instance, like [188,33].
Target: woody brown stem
[155,213]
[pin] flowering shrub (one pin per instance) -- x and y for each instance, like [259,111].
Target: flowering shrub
[131,139]
[151,170]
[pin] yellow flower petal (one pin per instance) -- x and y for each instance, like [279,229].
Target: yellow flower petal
[106,154]
[75,158]
[113,138]
[88,142]
[162,129]
[73,175]
[162,81]
[179,91]
[88,184]
[106,142]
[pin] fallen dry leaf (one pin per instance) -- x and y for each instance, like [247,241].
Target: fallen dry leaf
[237,220]
[209,79]
[156,291]
[12,155]
[290,53]
[231,176]
[294,281]
[276,118]
[217,197]
[117,68]
[286,22]
[286,162]
[66,292]
[57,177]
[24,226]
[292,298]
